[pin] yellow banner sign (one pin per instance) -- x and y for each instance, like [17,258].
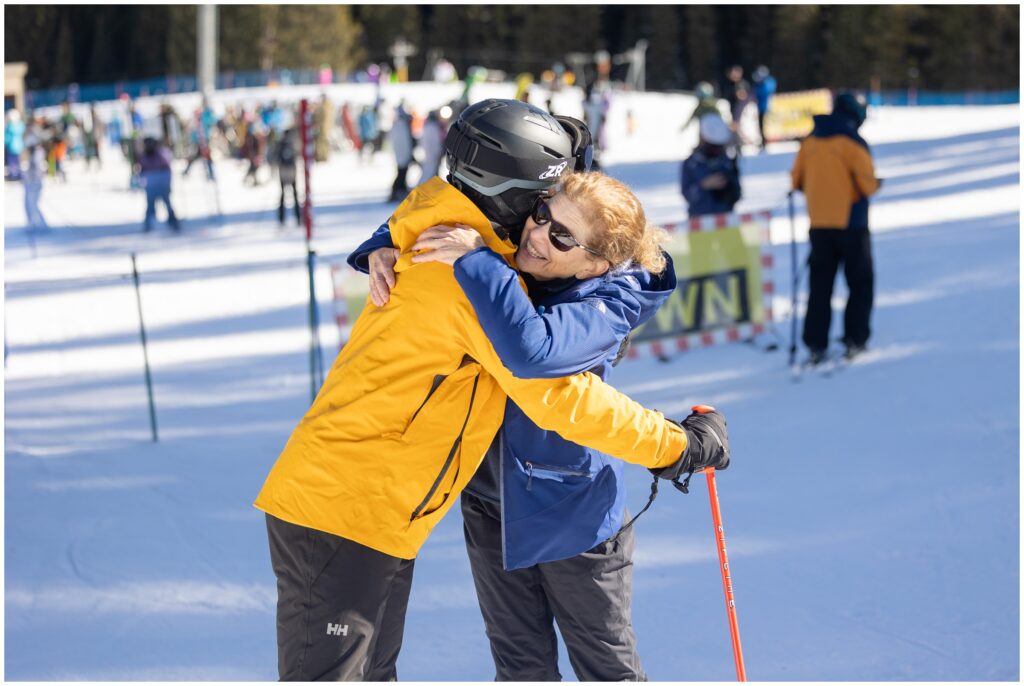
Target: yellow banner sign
[790,115]
[719,281]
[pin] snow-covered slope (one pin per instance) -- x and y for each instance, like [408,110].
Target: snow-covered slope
[872,518]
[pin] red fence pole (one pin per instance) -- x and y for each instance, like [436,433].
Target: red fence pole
[305,124]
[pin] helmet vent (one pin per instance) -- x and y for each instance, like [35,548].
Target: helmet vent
[553,153]
[490,141]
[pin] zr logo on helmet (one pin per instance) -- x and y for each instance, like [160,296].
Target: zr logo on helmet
[554,171]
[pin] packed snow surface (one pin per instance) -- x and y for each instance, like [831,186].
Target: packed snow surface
[872,518]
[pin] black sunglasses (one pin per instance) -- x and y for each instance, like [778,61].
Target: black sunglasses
[560,236]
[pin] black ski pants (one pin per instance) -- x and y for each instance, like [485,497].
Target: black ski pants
[295,198]
[589,596]
[400,186]
[829,249]
[340,606]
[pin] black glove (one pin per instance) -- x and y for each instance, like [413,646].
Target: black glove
[707,444]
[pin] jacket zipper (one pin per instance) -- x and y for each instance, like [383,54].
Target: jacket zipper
[438,380]
[567,471]
[451,455]
[501,495]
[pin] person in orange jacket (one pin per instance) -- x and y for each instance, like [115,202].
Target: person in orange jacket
[834,171]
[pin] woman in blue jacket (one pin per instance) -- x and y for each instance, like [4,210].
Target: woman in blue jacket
[544,518]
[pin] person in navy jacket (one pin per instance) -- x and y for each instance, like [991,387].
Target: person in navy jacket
[545,519]
[711,175]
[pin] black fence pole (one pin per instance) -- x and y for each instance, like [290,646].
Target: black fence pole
[145,351]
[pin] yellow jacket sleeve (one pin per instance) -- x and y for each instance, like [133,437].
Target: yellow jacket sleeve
[581,408]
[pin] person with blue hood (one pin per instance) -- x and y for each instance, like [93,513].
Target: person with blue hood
[834,170]
[545,518]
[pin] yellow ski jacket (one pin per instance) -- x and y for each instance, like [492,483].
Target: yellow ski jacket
[417,395]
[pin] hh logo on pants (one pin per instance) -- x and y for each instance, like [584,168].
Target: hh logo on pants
[337,629]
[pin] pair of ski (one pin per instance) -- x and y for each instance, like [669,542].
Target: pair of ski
[832,362]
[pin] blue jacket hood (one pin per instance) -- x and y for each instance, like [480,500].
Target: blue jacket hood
[647,291]
[837,124]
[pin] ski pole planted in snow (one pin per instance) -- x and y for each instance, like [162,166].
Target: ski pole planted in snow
[723,562]
[145,351]
[796,280]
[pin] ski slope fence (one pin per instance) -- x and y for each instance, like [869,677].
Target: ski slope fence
[128,301]
[725,285]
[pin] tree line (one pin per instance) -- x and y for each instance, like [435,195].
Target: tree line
[943,47]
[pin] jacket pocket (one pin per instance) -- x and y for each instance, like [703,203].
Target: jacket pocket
[436,413]
[430,503]
[550,472]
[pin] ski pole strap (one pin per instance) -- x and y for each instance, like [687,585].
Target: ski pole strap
[684,485]
[650,501]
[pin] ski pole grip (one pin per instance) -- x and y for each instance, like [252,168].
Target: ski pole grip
[702,409]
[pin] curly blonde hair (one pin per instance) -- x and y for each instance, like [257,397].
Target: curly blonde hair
[619,228]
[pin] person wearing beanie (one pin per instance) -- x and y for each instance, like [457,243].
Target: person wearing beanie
[711,175]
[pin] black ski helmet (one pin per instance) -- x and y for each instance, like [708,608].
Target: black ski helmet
[853,105]
[504,154]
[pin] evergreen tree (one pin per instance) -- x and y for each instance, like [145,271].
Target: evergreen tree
[238,36]
[181,40]
[701,44]
[382,25]
[795,30]
[665,65]
[953,47]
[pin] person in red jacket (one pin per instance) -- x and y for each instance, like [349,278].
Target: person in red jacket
[834,171]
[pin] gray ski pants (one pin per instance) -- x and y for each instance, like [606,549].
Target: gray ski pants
[340,606]
[588,595]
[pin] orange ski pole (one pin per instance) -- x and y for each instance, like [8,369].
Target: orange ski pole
[723,562]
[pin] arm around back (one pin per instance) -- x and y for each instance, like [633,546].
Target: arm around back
[359,258]
[568,338]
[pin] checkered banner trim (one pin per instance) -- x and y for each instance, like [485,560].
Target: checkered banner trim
[741,332]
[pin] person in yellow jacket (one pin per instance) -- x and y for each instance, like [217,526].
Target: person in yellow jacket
[834,170]
[411,405]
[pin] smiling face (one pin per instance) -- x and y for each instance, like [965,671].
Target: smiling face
[542,260]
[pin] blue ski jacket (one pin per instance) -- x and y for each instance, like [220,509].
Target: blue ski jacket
[558,499]
[764,91]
